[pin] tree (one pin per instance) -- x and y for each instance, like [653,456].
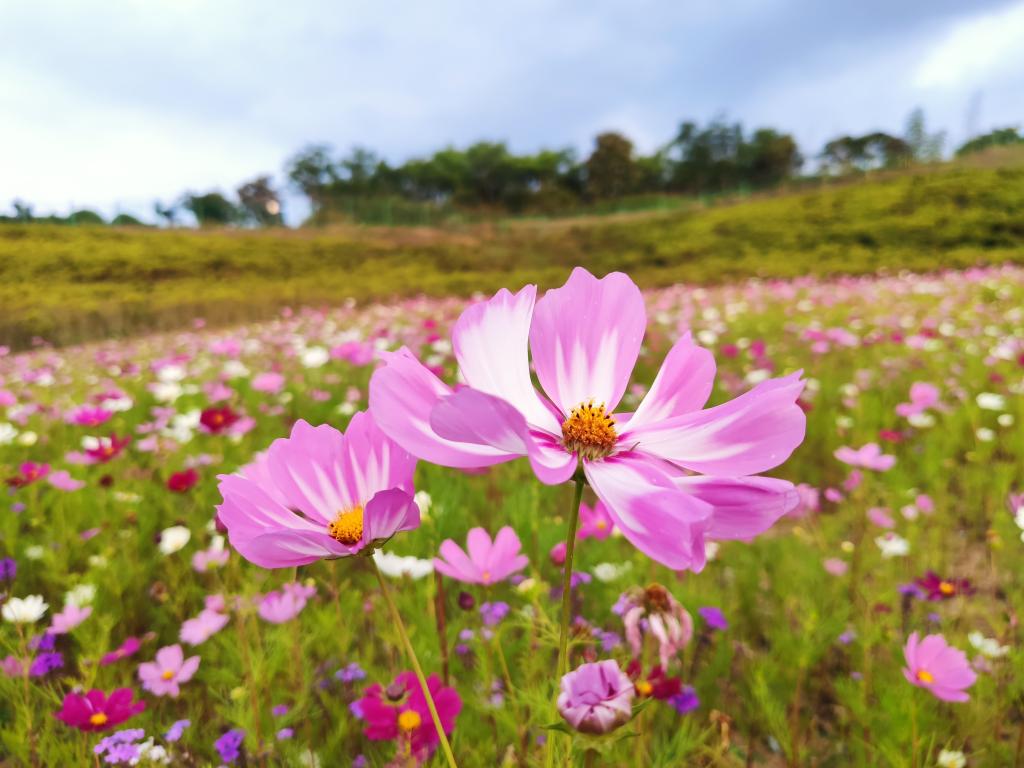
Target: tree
[85,217]
[312,171]
[211,209]
[1000,137]
[22,211]
[768,158]
[924,147]
[126,220]
[611,169]
[168,213]
[259,202]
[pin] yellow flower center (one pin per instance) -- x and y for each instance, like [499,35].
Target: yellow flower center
[946,588]
[644,688]
[601,525]
[486,577]
[925,676]
[409,720]
[589,432]
[347,527]
[167,675]
[99,718]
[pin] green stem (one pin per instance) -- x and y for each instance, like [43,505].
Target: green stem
[913,729]
[563,636]
[386,591]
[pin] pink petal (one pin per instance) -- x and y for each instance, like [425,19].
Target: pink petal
[169,658]
[389,512]
[682,385]
[188,669]
[308,469]
[752,433]
[585,338]
[286,549]
[658,519]
[456,563]
[372,462]
[491,342]
[744,507]
[402,395]
[478,545]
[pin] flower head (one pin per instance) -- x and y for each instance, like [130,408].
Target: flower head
[595,522]
[284,605]
[938,667]
[179,482]
[585,338]
[126,649]
[69,618]
[869,456]
[319,494]
[164,676]
[229,745]
[596,698]
[487,562]
[937,588]
[198,630]
[400,713]
[24,610]
[95,711]
[655,611]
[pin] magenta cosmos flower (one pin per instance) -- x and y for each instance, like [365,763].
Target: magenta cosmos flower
[483,562]
[938,667]
[164,676]
[596,698]
[319,494]
[400,713]
[96,712]
[585,338]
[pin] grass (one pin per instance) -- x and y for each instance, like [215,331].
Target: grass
[69,284]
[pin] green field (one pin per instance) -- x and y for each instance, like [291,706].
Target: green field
[70,284]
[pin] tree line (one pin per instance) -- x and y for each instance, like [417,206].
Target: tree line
[488,179]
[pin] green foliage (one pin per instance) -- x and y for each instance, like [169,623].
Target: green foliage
[1001,137]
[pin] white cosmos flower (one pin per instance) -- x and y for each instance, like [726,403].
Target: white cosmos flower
[423,501]
[173,539]
[990,401]
[607,572]
[34,552]
[985,435]
[988,647]
[235,369]
[170,373]
[7,433]
[27,438]
[24,610]
[167,391]
[921,420]
[893,545]
[314,357]
[396,566]
[81,596]
[951,758]
[118,404]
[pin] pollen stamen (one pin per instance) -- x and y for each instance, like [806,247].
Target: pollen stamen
[589,432]
[925,676]
[347,527]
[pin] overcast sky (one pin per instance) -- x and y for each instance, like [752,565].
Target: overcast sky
[112,104]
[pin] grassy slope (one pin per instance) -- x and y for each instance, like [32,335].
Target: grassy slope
[70,284]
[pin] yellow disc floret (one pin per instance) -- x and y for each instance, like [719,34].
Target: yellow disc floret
[347,527]
[589,432]
[925,676]
[100,718]
[409,720]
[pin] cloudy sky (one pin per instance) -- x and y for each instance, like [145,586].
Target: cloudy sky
[112,104]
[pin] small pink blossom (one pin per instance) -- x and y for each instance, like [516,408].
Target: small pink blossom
[198,630]
[938,667]
[284,605]
[69,618]
[164,676]
[487,562]
[869,456]
[880,516]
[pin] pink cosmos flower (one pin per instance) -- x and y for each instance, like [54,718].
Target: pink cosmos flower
[89,416]
[284,605]
[487,562]
[596,698]
[63,481]
[835,566]
[400,713]
[585,338]
[869,457]
[126,649]
[319,494]
[68,619]
[208,559]
[922,397]
[96,712]
[269,382]
[880,516]
[163,676]
[209,622]
[938,667]
[595,522]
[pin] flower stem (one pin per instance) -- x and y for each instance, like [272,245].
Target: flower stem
[563,635]
[386,591]
[913,729]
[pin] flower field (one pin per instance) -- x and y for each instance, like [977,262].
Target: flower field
[799,544]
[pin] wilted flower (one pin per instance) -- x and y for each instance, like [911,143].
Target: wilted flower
[596,698]
[654,610]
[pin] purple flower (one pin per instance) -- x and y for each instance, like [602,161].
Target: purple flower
[284,734]
[8,569]
[279,710]
[493,613]
[120,748]
[177,728]
[596,698]
[45,663]
[685,701]
[609,641]
[714,617]
[350,673]
[847,637]
[229,745]
[359,762]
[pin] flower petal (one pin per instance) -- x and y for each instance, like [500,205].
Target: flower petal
[586,337]
[402,395]
[658,519]
[752,433]
[387,513]
[491,343]
[682,385]
[741,507]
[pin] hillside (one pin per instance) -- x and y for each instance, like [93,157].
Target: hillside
[70,284]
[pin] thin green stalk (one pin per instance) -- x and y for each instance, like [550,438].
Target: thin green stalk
[563,636]
[386,591]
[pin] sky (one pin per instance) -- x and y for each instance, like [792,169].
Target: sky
[111,105]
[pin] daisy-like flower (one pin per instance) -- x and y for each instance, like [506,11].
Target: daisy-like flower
[95,711]
[24,610]
[173,539]
[989,647]
[164,676]
[585,338]
[937,588]
[320,494]
[399,712]
[397,566]
[938,667]
[487,562]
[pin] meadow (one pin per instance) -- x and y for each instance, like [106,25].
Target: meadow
[909,519]
[73,284]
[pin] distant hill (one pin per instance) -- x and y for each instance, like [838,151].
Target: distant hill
[69,284]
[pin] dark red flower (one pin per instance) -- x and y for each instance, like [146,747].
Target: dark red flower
[216,420]
[657,684]
[937,588]
[179,482]
[96,712]
[28,473]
